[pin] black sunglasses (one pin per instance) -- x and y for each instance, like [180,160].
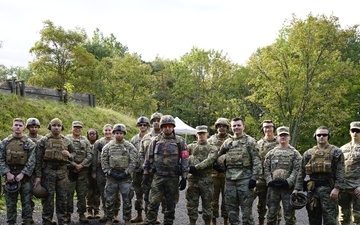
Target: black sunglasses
[355,131]
[324,135]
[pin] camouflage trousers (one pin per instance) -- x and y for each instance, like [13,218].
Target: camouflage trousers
[199,188]
[93,194]
[163,187]
[137,179]
[326,210]
[219,190]
[237,193]
[12,199]
[56,183]
[261,191]
[80,185]
[273,199]
[349,205]
[101,182]
[112,188]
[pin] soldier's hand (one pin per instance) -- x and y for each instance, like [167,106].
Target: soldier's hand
[252,183]
[182,184]
[192,169]
[10,177]
[218,168]
[334,194]
[37,181]
[357,191]
[19,177]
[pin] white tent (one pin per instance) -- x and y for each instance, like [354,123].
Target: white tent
[183,128]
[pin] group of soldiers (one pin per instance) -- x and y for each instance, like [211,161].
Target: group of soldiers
[227,172]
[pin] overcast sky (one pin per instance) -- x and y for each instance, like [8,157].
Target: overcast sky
[164,28]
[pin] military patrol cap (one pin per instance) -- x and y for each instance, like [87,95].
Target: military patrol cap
[355,125]
[201,129]
[77,124]
[282,130]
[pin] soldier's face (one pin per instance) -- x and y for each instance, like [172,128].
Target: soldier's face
[92,135]
[167,129]
[33,129]
[18,127]
[222,129]
[284,138]
[119,135]
[202,137]
[56,128]
[142,127]
[268,129]
[322,136]
[237,127]
[76,130]
[107,132]
[355,134]
[156,124]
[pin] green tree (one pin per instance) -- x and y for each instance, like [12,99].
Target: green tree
[60,57]
[297,78]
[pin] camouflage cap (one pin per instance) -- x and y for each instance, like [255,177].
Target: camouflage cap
[202,129]
[355,125]
[56,121]
[77,124]
[282,130]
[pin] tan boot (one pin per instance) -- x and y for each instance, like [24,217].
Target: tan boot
[213,221]
[90,214]
[109,222]
[192,222]
[138,218]
[96,214]
[103,218]
[158,221]
[116,219]
[141,223]
[83,219]
[226,221]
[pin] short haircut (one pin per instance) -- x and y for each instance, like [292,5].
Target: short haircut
[19,120]
[323,128]
[237,119]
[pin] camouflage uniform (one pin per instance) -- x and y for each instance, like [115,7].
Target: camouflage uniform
[326,171]
[17,155]
[202,157]
[79,179]
[243,166]
[261,188]
[218,181]
[120,157]
[163,157]
[281,164]
[51,167]
[349,200]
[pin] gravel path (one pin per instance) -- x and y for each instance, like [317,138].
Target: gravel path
[181,216]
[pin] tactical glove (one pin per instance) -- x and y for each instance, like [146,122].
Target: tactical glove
[279,184]
[252,184]
[192,169]
[182,184]
[218,168]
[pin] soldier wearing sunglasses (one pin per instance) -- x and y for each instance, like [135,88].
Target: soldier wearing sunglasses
[349,197]
[324,165]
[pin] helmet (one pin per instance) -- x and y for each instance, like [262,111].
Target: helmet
[143,119]
[119,127]
[167,119]
[298,201]
[222,121]
[280,174]
[32,121]
[40,192]
[156,115]
[12,187]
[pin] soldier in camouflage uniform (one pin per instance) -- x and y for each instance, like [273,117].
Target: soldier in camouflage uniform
[99,175]
[143,124]
[145,142]
[282,165]
[324,165]
[268,142]
[118,160]
[349,197]
[243,166]
[33,125]
[17,162]
[222,126]
[167,157]
[78,172]
[200,184]
[53,155]
[93,194]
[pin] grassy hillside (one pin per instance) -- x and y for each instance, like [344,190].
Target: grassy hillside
[13,106]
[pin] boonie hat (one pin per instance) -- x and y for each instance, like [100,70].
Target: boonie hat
[77,124]
[355,125]
[201,129]
[282,130]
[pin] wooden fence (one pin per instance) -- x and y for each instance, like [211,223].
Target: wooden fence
[61,95]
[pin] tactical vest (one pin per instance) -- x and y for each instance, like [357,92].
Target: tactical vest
[167,156]
[199,153]
[320,161]
[80,150]
[352,162]
[16,151]
[119,156]
[266,146]
[54,147]
[281,163]
[238,154]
